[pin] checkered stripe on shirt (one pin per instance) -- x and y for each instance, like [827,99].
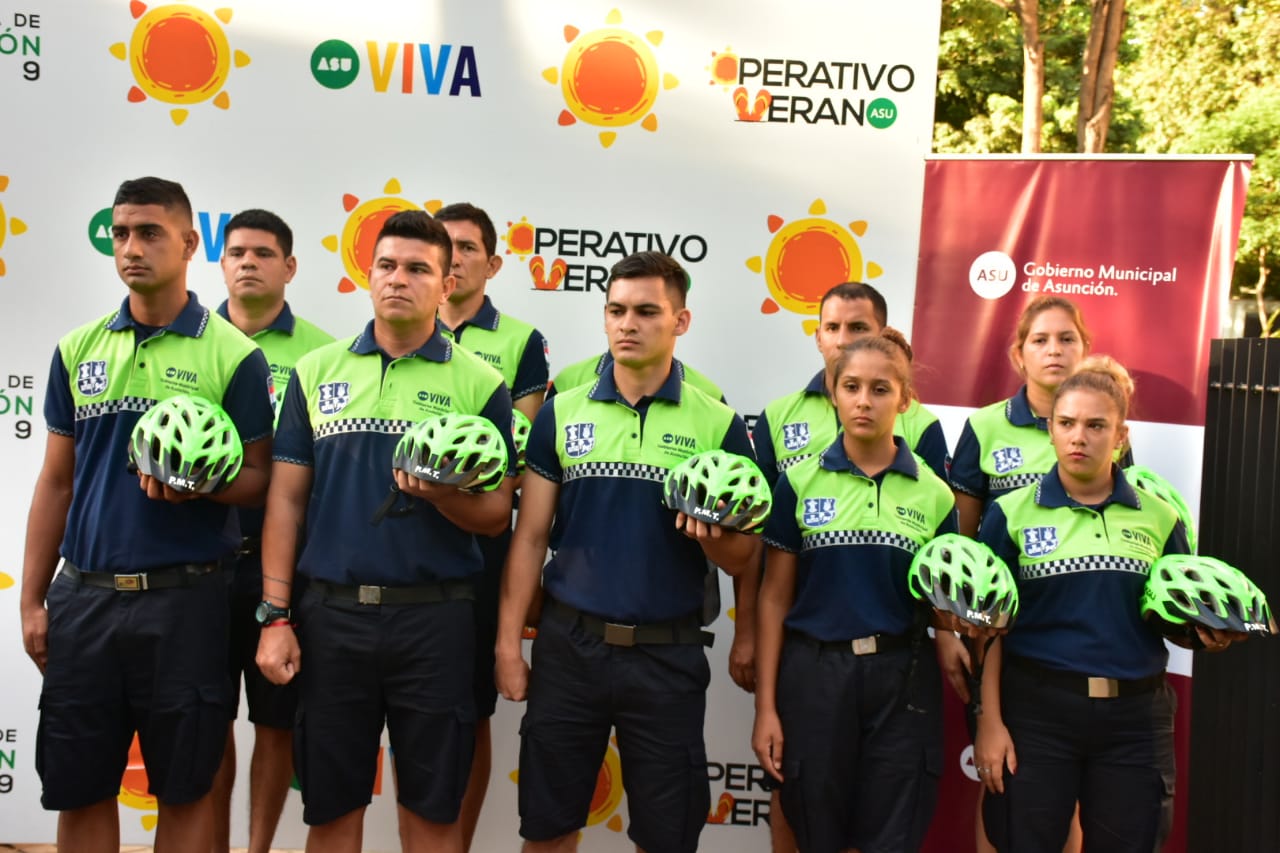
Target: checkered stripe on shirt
[113,407]
[832,538]
[625,470]
[1097,563]
[784,464]
[350,425]
[1013,481]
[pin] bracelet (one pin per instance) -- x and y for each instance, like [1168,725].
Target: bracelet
[280,623]
[277,580]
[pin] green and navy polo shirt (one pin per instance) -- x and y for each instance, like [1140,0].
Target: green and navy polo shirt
[795,427]
[588,370]
[1081,571]
[104,376]
[512,347]
[617,553]
[347,406]
[855,537]
[283,342]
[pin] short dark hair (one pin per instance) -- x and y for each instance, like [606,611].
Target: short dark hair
[653,264]
[466,212]
[419,225]
[859,290]
[168,194]
[261,220]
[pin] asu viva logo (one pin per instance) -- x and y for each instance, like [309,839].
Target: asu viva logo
[10,225]
[800,91]
[610,78]
[180,55]
[439,69]
[360,232]
[806,258]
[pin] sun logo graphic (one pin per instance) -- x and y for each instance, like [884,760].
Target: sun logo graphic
[806,258]
[8,225]
[134,788]
[724,73]
[179,55]
[360,233]
[519,238]
[610,78]
[607,796]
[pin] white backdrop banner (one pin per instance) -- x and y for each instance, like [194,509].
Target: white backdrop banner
[773,148]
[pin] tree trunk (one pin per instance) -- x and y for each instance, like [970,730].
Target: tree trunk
[1097,87]
[1032,75]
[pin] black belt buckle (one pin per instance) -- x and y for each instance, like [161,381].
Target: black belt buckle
[619,635]
[369,595]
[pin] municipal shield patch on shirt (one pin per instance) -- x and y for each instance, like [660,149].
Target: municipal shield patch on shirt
[579,439]
[334,397]
[1007,459]
[795,436]
[91,377]
[818,511]
[1039,541]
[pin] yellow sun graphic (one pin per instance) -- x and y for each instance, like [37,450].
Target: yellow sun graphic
[608,793]
[179,55]
[134,788]
[610,78]
[520,238]
[808,257]
[723,68]
[360,232]
[15,226]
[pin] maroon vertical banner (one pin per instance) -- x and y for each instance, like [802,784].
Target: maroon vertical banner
[1145,247]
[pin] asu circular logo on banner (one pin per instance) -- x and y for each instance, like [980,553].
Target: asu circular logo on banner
[335,64]
[179,55]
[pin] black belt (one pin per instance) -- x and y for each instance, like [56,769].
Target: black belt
[873,645]
[685,632]
[165,577]
[1093,687]
[429,593]
[249,546]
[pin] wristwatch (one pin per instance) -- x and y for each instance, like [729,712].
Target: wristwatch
[266,613]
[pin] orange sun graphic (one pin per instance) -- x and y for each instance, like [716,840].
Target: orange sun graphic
[610,78]
[723,68]
[134,787]
[179,55]
[519,238]
[360,232]
[15,226]
[608,793]
[806,258]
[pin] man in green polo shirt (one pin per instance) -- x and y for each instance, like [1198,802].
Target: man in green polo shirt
[257,263]
[519,352]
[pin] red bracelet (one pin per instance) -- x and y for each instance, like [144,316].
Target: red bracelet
[279,623]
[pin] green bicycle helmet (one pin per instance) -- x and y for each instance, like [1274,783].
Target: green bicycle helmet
[520,427]
[187,443]
[699,486]
[466,451]
[1149,481]
[959,575]
[1184,591]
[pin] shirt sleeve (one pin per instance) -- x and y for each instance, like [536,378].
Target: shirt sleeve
[737,440]
[540,450]
[497,409]
[781,530]
[966,474]
[994,533]
[1177,543]
[765,455]
[932,448]
[59,406]
[950,523]
[533,371]
[294,441]
[248,398]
